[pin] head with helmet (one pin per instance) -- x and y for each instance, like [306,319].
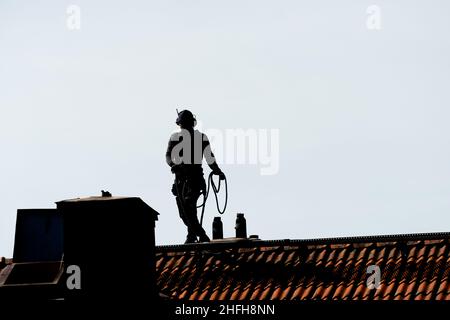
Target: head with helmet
[186,119]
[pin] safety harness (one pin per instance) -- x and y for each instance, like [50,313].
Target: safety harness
[205,193]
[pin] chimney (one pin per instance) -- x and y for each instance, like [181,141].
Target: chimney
[241,226]
[112,242]
[217,228]
[36,271]
[109,240]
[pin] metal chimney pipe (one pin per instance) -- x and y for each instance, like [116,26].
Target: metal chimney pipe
[217,228]
[241,226]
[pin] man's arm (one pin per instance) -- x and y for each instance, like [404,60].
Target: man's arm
[172,157]
[169,159]
[210,158]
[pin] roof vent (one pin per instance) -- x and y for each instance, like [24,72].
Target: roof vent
[241,226]
[217,228]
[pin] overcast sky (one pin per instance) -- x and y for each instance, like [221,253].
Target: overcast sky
[362,113]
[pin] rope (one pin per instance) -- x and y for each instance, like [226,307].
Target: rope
[216,190]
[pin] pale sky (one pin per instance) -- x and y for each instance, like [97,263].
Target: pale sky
[362,114]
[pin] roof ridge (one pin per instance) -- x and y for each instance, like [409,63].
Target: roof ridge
[243,243]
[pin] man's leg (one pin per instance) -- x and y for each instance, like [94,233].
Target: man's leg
[191,215]
[191,236]
[178,185]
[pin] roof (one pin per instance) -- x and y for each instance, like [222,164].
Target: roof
[412,266]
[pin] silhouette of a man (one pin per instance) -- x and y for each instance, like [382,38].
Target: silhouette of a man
[184,155]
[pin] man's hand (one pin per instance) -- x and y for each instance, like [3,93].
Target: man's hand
[220,174]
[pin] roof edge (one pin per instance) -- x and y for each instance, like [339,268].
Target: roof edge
[245,243]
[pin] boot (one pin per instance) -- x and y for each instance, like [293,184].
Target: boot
[204,238]
[190,239]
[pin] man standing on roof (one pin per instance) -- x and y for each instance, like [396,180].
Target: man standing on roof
[184,155]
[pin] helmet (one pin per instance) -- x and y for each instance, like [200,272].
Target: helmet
[186,117]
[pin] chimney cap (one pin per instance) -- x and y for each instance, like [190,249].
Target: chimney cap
[113,200]
[98,198]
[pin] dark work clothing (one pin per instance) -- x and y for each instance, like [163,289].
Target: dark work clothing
[188,147]
[187,191]
[184,155]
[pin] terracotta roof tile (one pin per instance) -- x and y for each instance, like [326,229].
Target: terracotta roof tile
[413,267]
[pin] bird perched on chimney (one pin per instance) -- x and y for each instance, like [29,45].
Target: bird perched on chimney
[106,194]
